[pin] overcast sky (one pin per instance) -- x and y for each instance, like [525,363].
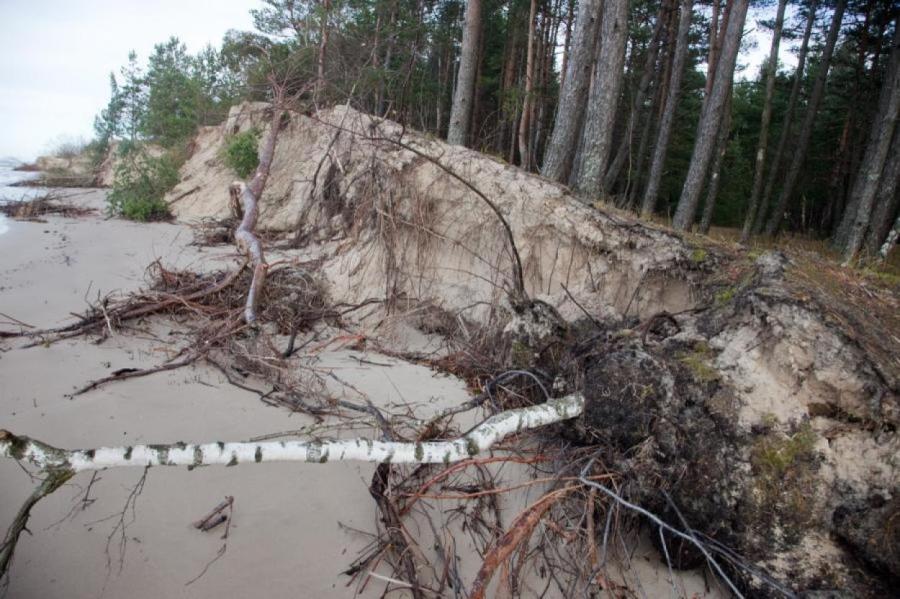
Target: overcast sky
[56,55]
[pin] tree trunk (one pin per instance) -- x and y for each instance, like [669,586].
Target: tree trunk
[648,206]
[324,34]
[601,115]
[890,241]
[867,181]
[713,46]
[573,95]
[815,98]
[715,178]
[771,70]
[787,124]
[612,174]
[461,111]
[525,122]
[711,117]
[888,198]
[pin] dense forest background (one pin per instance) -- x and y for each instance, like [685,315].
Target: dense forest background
[636,104]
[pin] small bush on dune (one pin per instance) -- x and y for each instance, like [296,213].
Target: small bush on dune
[241,154]
[141,182]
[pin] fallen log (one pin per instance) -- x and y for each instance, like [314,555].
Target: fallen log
[481,438]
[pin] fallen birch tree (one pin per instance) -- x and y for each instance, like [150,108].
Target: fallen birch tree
[59,465]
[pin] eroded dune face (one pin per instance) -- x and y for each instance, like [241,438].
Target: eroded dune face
[773,426]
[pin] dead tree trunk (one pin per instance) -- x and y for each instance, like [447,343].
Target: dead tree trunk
[760,161]
[648,205]
[249,195]
[604,100]
[461,111]
[787,124]
[573,95]
[862,200]
[815,98]
[711,117]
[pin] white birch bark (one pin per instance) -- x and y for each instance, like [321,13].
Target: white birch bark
[479,439]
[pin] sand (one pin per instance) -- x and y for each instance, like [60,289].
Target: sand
[295,527]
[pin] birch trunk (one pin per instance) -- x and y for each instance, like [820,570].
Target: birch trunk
[815,98]
[573,95]
[604,100]
[711,117]
[461,111]
[787,124]
[648,205]
[481,438]
[759,166]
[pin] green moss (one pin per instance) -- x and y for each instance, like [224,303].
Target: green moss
[697,361]
[724,296]
[699,255]
[420,452]
[784,482]
[773,455]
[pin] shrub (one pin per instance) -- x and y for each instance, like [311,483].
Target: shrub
[141,181]
[241,153]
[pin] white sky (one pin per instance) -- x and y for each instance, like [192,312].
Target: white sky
[56,55]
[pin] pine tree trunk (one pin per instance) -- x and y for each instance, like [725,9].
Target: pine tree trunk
[648,205]
[890,241]
[612,174]
[787,124]
[715,176]
[888,199]
[573,95]
[604,99]
[325,32]
[461,111]
[815,98]
[771,70]
[867,182]
[711,117]
[525,122]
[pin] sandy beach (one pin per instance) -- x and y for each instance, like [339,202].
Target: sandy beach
[286,538]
